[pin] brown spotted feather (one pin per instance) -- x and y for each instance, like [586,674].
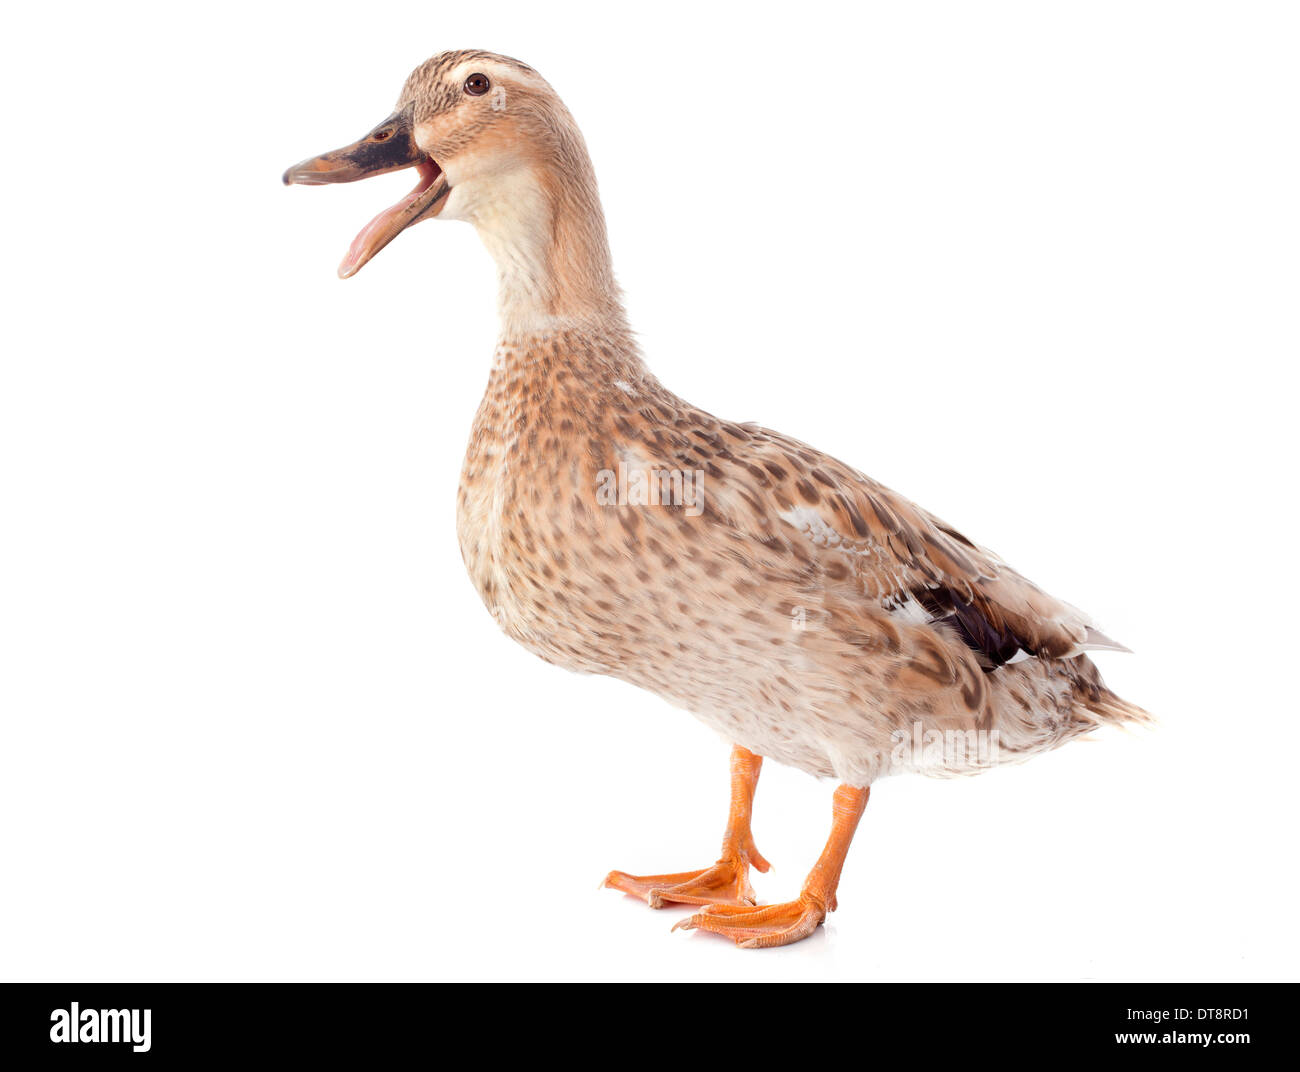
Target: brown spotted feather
[702,610]
[805,611]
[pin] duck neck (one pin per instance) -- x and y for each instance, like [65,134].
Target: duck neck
[546,231]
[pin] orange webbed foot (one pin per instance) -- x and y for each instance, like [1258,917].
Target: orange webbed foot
[725,883]
[758,928]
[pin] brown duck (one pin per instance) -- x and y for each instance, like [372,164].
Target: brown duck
[804,611]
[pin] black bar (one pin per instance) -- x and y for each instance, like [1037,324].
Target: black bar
[558,1023]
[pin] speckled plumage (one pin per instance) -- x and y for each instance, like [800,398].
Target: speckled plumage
[776,615]
[801,609]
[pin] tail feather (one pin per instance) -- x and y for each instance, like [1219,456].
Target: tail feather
[1095,640]
[1107,708]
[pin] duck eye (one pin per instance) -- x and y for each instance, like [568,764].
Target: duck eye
[383,135]
[477,84]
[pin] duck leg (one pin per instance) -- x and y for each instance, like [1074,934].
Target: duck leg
[781,924]
[727,881]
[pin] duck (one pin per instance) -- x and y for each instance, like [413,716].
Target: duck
[805,612]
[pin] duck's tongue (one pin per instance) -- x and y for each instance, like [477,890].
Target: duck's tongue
[424,200]
[389,147]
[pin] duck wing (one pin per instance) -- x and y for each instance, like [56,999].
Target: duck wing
[905,558]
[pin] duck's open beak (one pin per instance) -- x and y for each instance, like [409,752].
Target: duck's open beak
[389,147]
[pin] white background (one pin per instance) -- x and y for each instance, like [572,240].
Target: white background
[1035,265]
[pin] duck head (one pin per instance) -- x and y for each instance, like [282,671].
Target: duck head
[494,145]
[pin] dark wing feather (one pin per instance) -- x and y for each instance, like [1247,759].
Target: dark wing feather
[994,642]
